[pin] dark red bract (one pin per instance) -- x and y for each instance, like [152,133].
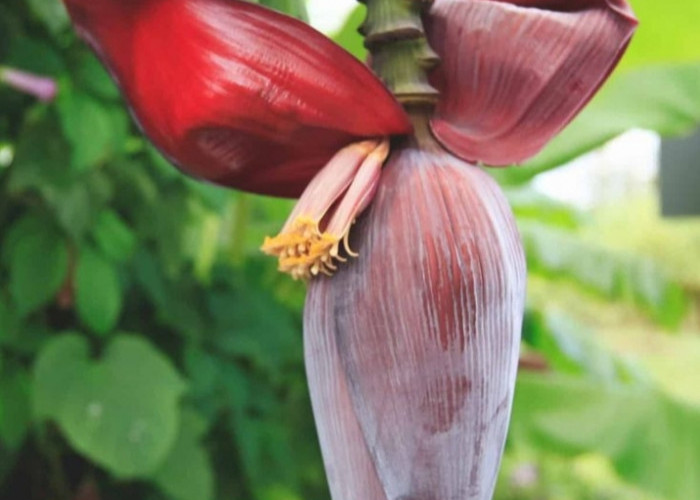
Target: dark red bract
[235,93]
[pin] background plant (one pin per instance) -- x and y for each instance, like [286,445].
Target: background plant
[131,293]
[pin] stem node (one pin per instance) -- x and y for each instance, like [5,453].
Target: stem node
[401,55]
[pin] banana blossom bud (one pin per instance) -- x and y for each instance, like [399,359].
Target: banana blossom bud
[412,344]
[412,350]
[310,241]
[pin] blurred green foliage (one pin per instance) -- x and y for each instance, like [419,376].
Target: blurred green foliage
[139,354]
[148,352]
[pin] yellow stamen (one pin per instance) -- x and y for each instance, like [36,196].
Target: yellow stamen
[304,251]
[337,195]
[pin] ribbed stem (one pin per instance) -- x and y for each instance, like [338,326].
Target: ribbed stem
[401,54]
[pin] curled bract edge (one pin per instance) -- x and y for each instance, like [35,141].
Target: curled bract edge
[513,73]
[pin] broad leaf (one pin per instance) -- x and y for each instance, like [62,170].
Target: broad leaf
[652,440]
[40,168]
[98,291]
[9,322]
[612,274]
[121,411]
[186,473]
[15,409]
[38,261]
[527,203]
[114,237]
[90,75]
[94,129]
[249,322]
[51,13]
[570,348]
[270,434]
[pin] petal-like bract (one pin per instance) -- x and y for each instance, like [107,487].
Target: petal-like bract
[412,348]
[310,241]
[236,93]
[515,72]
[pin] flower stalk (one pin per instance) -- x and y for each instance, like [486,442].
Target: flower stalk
[401,55]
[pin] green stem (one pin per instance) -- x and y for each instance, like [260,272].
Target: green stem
[401,54]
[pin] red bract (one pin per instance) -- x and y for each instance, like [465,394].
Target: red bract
[413,318]
[235,93]
[514,73]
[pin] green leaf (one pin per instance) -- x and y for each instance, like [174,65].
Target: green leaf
[52,13]
[59,366]
[73,207]
[21,228]
[571,348]
[612,274]
[35,55]
[15,409]
[203,372]
[527,203]
[261,433]
[251,324]
[671,106]
[652,441]
[9,322]
[179,304]
[92,76]
[120,411]
[186,473]
[25,338]
[270,431]
[98,291]
[40,168]
[96,131]
[260,216]
[169,222]
[38,262]
[114,237]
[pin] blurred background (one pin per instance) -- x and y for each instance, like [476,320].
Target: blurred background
[149,351]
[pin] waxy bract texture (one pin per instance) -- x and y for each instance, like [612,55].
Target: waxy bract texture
[246,97]
[236,93]
[514,73]
[412,349]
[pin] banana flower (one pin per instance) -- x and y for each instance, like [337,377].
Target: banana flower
[416,274]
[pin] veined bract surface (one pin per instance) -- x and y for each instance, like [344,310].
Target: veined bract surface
[412,350]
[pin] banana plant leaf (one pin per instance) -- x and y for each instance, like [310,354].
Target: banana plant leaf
[612,274]
[652,440]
